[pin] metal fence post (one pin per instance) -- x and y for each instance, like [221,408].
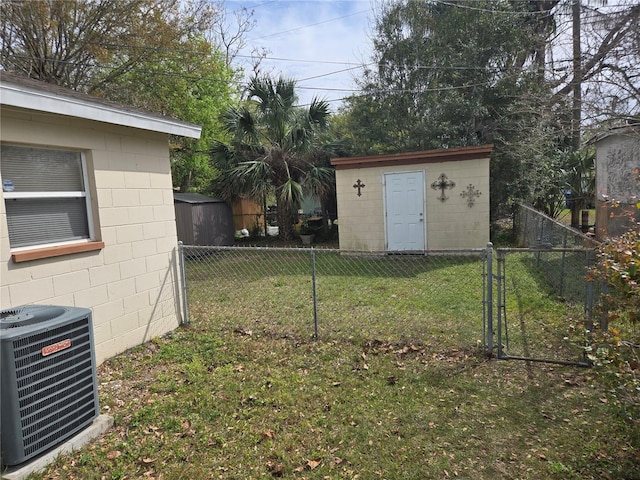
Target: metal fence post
[593,292]
[315,298]
[562,266]
[183,280]
[489,300]
[501,284]
[589,291]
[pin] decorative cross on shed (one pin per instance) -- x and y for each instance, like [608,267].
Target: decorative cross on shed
[359,185]
[443,183]
[470,193]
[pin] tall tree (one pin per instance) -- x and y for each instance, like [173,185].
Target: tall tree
[609,67]
[161,55]
[488,71]
[273,149]
[456,74]
[198,90]
[85,45]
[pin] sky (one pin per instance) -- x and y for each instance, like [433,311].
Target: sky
[319,43]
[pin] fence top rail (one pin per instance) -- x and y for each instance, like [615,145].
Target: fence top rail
[544,249]
[558,224]
[412,253]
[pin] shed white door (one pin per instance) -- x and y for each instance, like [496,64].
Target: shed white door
[404,205]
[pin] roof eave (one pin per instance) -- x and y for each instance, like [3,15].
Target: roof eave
[24,97]
[633,128]
[412,158]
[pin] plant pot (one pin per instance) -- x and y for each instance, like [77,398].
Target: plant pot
[307,238]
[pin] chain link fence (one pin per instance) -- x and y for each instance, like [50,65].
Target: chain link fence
[536,307]
[432,298]
[535,229]
[545,305]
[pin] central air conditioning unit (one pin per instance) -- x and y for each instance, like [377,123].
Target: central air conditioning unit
[48,377]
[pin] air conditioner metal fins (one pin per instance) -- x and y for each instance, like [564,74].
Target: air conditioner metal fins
[49,386]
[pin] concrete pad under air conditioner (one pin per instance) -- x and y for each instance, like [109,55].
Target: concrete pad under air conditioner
[101,424]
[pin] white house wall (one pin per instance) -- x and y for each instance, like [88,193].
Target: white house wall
[451,224]
[130,285]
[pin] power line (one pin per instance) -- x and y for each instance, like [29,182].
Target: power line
[507,12]
[329,74]
[356,67]
[310,25]
[519,12]
[196,77]
[350,68]
[356,91]
[394,90]
[297,60]
[263,4]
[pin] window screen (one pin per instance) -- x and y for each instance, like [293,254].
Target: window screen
[41,170]
[44,195]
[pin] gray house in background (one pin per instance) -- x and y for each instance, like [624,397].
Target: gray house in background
[617,181]
[203,220]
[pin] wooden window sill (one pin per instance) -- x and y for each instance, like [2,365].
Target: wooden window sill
[48,252]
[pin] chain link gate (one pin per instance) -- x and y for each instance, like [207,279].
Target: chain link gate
[543,304]
[529,304]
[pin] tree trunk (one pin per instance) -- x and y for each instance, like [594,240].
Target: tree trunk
[285,222]
[185,185]
[264,216]
[575,214]
[577,205]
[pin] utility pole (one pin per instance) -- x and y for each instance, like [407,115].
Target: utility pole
[577,78]
[576,111]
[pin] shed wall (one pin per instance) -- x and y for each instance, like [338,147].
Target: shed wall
[212,224]
[184,223]
[451,224]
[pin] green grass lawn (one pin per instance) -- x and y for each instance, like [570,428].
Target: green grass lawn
[396,386]
[395,299]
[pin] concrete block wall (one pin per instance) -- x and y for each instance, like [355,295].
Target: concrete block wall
[451,224]
[361,218]
[131,285]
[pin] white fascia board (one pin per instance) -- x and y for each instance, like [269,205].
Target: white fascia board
[17,96]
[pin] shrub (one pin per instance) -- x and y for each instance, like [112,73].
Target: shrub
[617,343]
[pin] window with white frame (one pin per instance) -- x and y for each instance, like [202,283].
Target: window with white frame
[46,196]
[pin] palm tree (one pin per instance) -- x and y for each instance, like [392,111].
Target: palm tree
[580,180]
[274,149]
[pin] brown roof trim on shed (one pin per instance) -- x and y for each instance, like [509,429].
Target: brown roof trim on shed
[412,158]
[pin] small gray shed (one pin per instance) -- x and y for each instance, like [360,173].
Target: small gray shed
[202,220]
